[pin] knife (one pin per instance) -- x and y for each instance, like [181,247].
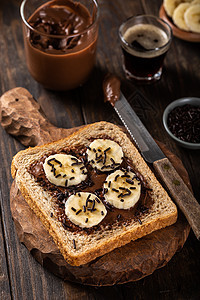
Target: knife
[162,166]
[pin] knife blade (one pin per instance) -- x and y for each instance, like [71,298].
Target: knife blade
[149,149]
[162,166]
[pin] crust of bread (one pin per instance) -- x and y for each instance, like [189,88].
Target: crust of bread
[90,246]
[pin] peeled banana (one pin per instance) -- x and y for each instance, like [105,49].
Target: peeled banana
[192,18]
[184,13]
[85,209]
[178,16]
[170,5]
[64,170]
[122,189]
[105,155]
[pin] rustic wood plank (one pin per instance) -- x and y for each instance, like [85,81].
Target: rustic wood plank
[5,292]
[180,193]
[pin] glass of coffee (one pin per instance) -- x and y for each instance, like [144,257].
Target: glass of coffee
[60,38]
[145,40]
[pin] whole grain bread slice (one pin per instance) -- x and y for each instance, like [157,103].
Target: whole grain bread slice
[76,247]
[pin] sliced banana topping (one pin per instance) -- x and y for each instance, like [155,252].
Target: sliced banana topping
[192,18]
[85,209]
[170,5]
[105,155]
[122,189]
[178,16]
[64,170]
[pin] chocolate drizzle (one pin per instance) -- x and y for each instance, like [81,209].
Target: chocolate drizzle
[94,184]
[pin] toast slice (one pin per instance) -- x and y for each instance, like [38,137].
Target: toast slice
[80,246]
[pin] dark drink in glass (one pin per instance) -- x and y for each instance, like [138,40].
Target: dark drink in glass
[145,41]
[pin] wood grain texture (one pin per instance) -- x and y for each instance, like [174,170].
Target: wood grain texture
[180,193]
[179,279]
[5,292]
[31,128]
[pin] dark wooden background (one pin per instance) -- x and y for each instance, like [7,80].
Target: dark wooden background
[21,277]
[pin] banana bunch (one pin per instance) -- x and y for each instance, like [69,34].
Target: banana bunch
[184,13]
[122,188]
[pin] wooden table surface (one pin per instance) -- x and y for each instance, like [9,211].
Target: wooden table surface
[21,277]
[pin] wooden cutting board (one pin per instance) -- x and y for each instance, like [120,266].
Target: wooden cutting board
[128,263]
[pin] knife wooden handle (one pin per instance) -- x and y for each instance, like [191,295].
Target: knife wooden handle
[180,193]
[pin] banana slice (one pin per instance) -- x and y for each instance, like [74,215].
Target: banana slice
[105,155]
[192,18]
[178,16]
[170,5]
[64,170]
[85,209]
[122,189]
